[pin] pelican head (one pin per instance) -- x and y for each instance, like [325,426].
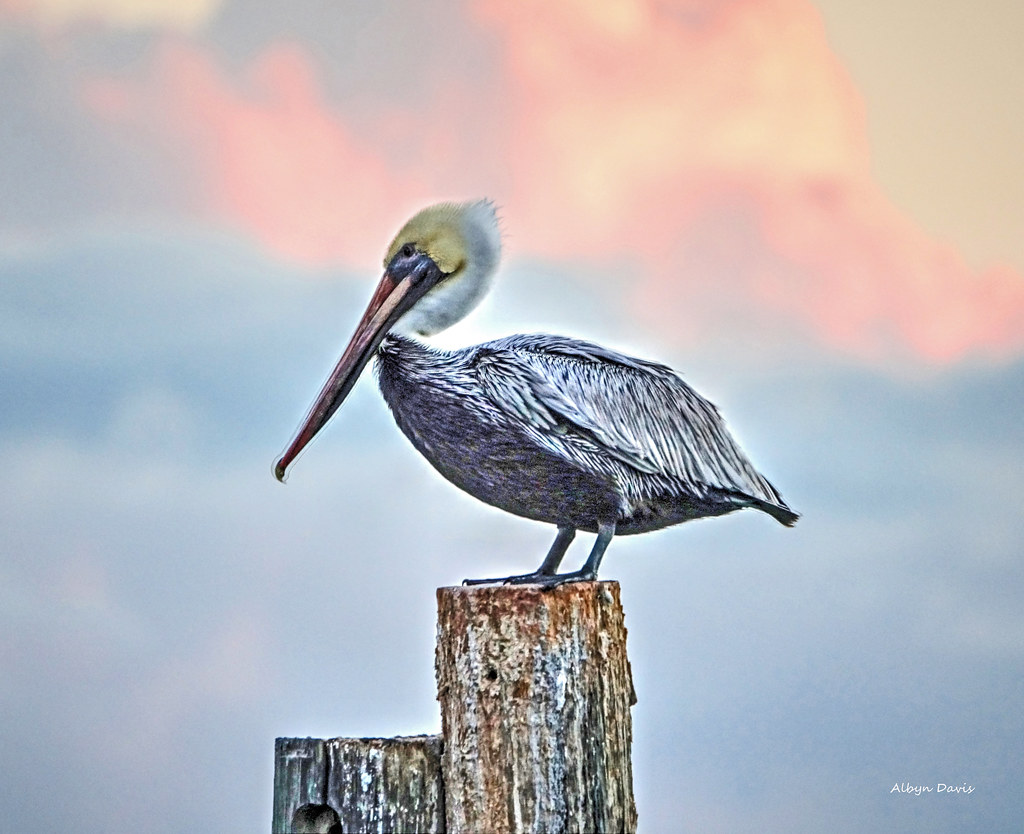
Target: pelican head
[436,270]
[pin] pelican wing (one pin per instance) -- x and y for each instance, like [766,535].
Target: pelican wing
[639,412]
[523,391]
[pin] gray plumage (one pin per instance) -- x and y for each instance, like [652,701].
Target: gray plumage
[571,433]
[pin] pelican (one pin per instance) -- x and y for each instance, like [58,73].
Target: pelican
[550,428]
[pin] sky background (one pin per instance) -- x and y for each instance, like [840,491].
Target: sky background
[812,210]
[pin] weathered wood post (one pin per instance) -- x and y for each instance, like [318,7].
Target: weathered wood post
[535,692]
[358,785]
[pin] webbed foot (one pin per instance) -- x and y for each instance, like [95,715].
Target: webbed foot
[545,580]
[518,579]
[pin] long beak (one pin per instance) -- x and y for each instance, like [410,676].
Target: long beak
[394,295]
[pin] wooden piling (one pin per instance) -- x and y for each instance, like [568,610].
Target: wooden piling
[300,783]
[383,785]
[535,692]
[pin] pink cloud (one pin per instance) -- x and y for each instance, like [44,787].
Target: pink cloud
[720,149]
[639,124]
[271,154]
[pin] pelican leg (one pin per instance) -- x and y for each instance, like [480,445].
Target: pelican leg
[547,567]
[588,573]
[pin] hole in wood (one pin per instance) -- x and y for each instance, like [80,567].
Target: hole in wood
[492,674]
[315,819]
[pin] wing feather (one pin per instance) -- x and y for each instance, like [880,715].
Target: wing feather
[641,413]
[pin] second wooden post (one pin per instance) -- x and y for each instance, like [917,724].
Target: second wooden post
[535,692]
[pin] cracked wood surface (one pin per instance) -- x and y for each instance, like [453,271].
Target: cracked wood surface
[535,691]
[384,785]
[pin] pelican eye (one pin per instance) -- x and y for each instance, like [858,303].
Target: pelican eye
[407,250]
